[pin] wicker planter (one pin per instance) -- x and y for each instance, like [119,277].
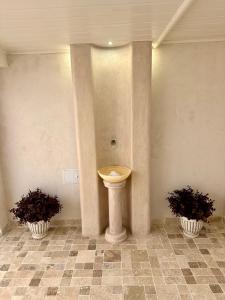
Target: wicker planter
[39,229]
[191,227]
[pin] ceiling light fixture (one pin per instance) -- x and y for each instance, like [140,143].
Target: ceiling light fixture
[109,43]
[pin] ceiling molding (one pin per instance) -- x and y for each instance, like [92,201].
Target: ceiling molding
[222,39]
[66,51]
[173,21]
[3,59]
[50,51]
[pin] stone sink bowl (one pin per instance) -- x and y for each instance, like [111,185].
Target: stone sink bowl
[114,174]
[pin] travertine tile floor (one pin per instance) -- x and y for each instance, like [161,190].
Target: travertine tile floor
[64,265]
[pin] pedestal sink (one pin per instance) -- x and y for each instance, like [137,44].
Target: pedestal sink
[114,178]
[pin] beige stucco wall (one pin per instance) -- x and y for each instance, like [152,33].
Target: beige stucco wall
[37,128]
[3,59]
[112,101]
[92,215]
[141,120]
[112,98]
[37,131]
[111,69]
[3,206]
[188,122]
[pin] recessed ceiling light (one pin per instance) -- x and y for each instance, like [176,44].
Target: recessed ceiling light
[109,43]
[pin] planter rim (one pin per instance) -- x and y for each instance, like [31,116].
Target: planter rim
[191,220]
[42,221]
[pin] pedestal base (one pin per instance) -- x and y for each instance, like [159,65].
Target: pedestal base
[115,238]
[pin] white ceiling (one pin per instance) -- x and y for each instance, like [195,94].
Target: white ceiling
[52,25]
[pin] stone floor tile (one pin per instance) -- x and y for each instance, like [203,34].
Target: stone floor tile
[85,256]
[112,256]
[52,291]
[34,282]
[187,272]
[162,265]
[185,297]
[150,289]
[199,289]
[84,290]
[134,293]
[206,279]
[220,279]
[215,288]
[139,255]
[190,280]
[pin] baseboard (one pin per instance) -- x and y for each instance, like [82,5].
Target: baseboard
[175,220]
[65,222]
[5,229]
[77,222]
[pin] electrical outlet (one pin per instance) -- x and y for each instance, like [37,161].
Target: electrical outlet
[70,176]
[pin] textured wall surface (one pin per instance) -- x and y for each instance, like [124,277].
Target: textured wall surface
[141,117]
[188,122]
[37,132]
[112,102]
[37,128]
[3,206]
[112,105]
[112,94]
[3,59]
[81,67]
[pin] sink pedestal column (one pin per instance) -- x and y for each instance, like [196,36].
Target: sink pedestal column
[115,233]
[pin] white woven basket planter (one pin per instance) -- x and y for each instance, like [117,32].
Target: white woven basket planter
[39,229]
[191,227]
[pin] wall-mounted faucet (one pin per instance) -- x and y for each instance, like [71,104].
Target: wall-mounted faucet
[113,142]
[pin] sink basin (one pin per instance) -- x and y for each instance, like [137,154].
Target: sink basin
[114,174]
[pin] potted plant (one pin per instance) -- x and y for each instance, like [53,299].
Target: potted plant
[192,207]
[36,209]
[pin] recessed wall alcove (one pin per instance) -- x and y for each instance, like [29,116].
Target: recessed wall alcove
[112,107]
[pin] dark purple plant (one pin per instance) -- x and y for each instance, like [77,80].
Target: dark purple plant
[191,204]
[36,206]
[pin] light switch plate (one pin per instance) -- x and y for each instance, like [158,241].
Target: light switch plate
[70,176]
